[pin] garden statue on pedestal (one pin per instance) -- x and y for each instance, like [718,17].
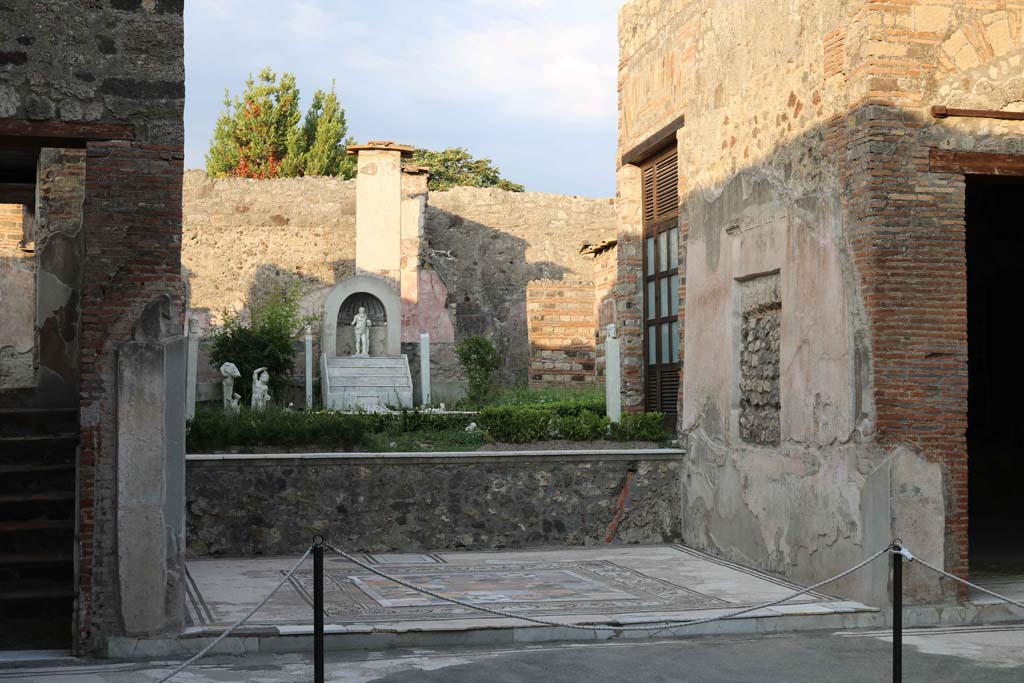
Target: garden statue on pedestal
[361,326]
[229,371]
[260,388]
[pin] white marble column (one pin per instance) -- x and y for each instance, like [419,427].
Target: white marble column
[191,367]
[425,369]
[309,367]
[612,375]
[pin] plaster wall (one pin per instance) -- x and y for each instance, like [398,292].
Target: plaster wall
[17,303]
[379,213]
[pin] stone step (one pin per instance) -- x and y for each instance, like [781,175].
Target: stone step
[342,381]
[38,422]
[38,450]
[368,362]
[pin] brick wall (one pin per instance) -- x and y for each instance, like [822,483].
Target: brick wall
[562,334]
[10,226]
[907,227]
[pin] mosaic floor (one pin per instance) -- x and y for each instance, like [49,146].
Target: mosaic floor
[635,580]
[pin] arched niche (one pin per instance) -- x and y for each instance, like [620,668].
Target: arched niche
[349,293]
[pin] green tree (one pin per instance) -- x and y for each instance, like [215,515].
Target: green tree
[261,134]
[266,340]
[455,166]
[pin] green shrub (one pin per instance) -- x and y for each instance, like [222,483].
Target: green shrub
[479,360]
[215,430]
[583,426]
[516,424]
[572,421]
[267,341]
[640,427]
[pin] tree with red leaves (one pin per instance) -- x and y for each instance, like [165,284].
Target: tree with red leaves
[261,133]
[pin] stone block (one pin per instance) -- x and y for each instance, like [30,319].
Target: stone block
[151,484]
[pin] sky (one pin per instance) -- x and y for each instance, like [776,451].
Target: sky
[530,84]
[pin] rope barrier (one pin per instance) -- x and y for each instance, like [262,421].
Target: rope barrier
[965,582]
[654,628]
[238,623]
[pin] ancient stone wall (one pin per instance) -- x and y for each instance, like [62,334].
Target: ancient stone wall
[117,67]
[759,361]
[562,332]
[484,246]
[273,505]
[241,237]
[488,244]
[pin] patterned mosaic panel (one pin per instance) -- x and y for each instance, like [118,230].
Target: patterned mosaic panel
[354,594]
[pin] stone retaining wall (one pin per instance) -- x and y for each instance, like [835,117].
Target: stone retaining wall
[245,505]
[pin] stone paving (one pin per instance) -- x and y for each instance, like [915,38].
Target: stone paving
[592,585]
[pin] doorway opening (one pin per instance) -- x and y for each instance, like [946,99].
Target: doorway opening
[995,428]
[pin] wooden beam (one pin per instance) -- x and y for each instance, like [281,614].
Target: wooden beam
[940,112]
[654,143]
[18,132]
[979,163]
[17,193]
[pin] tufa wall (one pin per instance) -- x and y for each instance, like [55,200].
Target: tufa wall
[484,246]
[816,160]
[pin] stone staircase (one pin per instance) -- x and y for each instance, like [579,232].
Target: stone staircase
[38,451]
[367,383]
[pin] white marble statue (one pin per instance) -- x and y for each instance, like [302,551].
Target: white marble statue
[229,371]
[233,406]
[260,388]
[361,326]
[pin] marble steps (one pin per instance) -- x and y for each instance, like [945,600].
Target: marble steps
[368,383]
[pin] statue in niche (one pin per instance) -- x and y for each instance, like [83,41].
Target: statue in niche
[229,371]
[260,388]
[361,327]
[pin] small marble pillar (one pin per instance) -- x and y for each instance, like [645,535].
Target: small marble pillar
[191,367]
[309,367]
[425,368]
[612,375]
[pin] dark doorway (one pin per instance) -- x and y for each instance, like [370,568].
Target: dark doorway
[995,414]
[39,429]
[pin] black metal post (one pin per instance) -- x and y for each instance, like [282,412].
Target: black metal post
[897,615]
[318,612]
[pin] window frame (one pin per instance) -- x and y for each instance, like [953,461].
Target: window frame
[660,219]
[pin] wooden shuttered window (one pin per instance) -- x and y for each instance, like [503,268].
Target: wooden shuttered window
[660,178]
